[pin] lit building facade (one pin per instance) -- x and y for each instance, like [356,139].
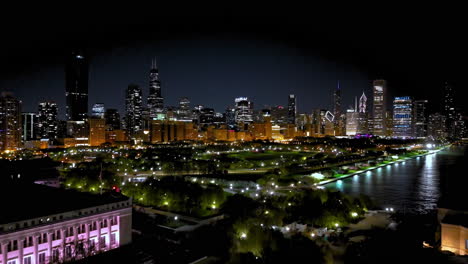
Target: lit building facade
[29,126]
[47,120]
[85,227]
[10,122]
[184,113]
[97,131]
[379,107]
[436,126]
[76,86]
[352,122]
[244,110]
[402,117]
[133,107]
[98,110]
[155,101]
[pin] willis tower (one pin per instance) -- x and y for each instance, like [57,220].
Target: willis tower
[155,100]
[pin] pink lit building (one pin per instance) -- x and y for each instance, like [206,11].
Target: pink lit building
[60,225]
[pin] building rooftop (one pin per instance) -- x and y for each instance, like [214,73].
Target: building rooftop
[27,201]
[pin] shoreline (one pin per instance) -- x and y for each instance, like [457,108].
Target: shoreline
[378,166]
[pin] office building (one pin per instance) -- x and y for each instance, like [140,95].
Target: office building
[420,118]
[244,110]
[292,110]
[379,107]
[436,126]
[98,110]
[29,126]
[112,117]
[10,122]
[133,107]
[184,113]
[47,120]
[279,115]
[76,86]
[155,101]
[97,131]
[402,117]
[56,225]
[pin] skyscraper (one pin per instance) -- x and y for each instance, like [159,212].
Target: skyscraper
[420,118]
[10,122]
[98,110]
[402,117]
[97,131]
[244,110]
[112,119]
[184,113]
[76,86]
[47,120]
[292,109]
[379,107]
[155,100]
[29,126]
[133,107]
[436,126]
[449,109]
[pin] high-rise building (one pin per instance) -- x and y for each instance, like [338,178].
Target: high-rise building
[133,107]
[420,117]
[112,117]
[402,117]
[184,113]
[155,100]
[449,109]
[98,110]
[10,122]
[340,124]
[279,115]
[436,126]
[363,103]
[47,120]
[97,131]
[292,109]
[244,110]
[379,107]
[29,126]
[352,122]
[230,116]
[76,86]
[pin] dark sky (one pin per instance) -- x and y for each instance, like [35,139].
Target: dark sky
[214,58]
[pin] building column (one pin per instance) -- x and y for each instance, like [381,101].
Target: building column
[4,251]
[35,247]
[109,231]
[49,245]
[98,225]
[20,250]
[62,245]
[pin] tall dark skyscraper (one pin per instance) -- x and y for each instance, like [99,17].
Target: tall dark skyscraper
[76,86]
[338,112]
[112,117]
[155,100]
[10,122]
[133,108]
[292,109]
[449,109]
[47,120]
[420,117]
[379,108]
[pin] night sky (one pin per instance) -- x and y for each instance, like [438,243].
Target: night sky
[213,59]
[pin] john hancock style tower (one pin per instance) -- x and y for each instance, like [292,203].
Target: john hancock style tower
[76,86]
[155,99]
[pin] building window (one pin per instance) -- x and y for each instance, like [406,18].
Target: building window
[13,261]
[93,226]
[68,252]
[41,258]
[27,260]
[70,231]
[92,244]
[102,242]
[55,254]
[112,239]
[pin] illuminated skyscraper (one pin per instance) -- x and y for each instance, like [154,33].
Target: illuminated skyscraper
[420,117]
[244,110]
[436,126]
[363,103]
[292,109]
[449,109]
[10,122]
[47,120]
[133,107]
[184,113]
[379,107]
[98,110]
[155,100]
[402,117]
[76,86]
[29,126]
